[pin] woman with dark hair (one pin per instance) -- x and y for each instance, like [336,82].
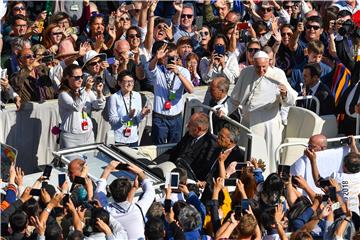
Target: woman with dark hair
[205,37]
[126,111]
[75,105]
[221,63]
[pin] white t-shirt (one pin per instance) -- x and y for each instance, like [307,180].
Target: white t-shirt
[350,187]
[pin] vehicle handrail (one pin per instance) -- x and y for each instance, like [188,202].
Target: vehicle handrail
[277,151]
[317,109]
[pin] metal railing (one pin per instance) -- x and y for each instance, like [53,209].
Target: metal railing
[309,97]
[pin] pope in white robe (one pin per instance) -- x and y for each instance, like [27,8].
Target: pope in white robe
[261,90]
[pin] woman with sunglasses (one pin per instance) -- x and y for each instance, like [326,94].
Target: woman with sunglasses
[75,105]
[284,57]
[95,66]
[14,8]
[205,36]
[52,37]
[126,111]
[221,62]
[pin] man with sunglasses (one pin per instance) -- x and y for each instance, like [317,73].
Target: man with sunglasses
[183,20]
[32,82]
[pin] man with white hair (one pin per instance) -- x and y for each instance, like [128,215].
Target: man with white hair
[261,90]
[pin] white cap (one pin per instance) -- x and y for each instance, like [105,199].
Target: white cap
[261,54]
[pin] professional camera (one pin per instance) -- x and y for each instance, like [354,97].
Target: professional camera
[346,28]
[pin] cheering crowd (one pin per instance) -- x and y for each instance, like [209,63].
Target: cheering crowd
[102,55]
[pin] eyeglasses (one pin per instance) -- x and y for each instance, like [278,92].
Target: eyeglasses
[77,78]
[124,19]
[56,33]
[95,63]
[204,34]
[266,9]
[186,16]
[128,81]
[253,50]
[19,8]
[28,56]
[131,36]
[286,34]
[315,27]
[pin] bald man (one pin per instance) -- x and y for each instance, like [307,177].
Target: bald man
[260,91]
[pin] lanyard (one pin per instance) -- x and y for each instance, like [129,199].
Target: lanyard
[127,111]
[169,83]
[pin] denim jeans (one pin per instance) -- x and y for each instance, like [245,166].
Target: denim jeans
[166,130]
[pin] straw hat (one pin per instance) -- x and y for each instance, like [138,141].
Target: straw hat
[91,55]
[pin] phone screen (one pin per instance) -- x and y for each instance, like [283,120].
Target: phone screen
[167,205]
[238,212]
[47,171]
[174,180]
[220,49]
[61,179]
[230,182]
[240,166]
[35,192]
[332,194]
[244,205]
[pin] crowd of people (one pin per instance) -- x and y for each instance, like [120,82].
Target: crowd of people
[95,55]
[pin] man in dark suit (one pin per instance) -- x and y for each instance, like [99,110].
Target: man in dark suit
[227,151]
[219,88]
[195,151]
[315,87]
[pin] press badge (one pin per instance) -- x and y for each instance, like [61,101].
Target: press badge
[129,123]
[74,7]
[84,125]
[167,105]
[172,95]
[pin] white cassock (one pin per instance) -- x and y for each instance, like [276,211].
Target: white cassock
[260,100]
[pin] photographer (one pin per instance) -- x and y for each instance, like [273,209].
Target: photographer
[95,66]
[130,215]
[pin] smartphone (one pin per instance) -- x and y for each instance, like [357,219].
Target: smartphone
[244,205]
[238,212]
[61,179]
[332,194]
[111,22]
[174,180]
[294,181]
[240,166]
[44,184]
[40,26]
[3,73]
[335,206]
[242,25]
[79,180]
[48,58]
[230,182]
[199,22]
[111,61]
[325,198]
[47,171]
[284,172]
[219,49]
[65,199]
[167,205]
[35,192]
[122,166]
[324,183]
[171,60]
[345,141]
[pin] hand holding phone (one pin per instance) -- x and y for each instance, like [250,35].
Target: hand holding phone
[47,171]
[173,180]
[242,26]
[122,167]
[61,179]
[35,192]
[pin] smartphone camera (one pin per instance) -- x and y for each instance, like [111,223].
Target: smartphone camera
[345,141]
[220,50]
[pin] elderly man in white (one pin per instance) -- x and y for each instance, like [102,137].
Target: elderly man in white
[261,90]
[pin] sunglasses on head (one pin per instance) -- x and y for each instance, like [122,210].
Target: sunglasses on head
[253,50]
[131,36]
[77,78]
[315,27]
[186,16]
[204,34]
[95,63]
[266,9]
[19,8]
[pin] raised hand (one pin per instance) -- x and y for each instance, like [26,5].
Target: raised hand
[162,52]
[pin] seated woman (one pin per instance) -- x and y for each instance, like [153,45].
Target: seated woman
[126,112]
